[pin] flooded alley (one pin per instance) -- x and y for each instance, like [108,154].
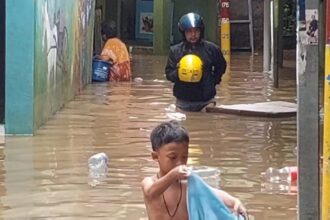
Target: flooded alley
[46,176]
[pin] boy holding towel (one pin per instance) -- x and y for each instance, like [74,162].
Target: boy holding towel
[165,193]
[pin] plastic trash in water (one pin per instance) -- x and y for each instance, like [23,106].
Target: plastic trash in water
[138,80]
[170,108]
[98,165]
[295,150]
[98,168]
[178,116]
[211,175]
[280,181]
[159,80]
[206,171]
[173,115]
[279,188]
[285,174]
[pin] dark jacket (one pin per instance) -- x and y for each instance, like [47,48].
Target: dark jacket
[214,66]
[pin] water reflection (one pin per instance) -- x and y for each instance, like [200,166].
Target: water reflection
[46,176]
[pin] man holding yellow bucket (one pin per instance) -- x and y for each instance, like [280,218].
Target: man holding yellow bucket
[195,66]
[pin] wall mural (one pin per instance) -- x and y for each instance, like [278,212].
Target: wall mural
[63,52]
[84,31]
[54,42]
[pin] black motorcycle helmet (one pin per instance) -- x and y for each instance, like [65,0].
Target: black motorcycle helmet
[191,20]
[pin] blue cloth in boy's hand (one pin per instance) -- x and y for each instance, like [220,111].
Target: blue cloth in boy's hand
[203,204]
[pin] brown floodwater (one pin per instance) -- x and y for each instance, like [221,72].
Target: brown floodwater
[46,176]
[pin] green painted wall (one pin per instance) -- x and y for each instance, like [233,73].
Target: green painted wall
[162,26]
[57,39]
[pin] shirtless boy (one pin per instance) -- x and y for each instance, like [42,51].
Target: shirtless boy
[165,192]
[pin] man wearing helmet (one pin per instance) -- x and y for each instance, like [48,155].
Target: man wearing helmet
[191,95]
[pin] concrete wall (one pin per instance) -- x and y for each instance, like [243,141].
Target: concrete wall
[122,14]
[127,18]
[111,11]
[57,39]
[99,18]
[240,32]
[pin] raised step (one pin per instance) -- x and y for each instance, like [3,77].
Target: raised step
[273,109]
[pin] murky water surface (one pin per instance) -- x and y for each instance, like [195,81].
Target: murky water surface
[46,176]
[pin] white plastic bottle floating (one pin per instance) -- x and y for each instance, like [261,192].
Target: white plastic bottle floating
[176,116]
[295,150]
[138,80]
[98,168]
[285,174]
[170,108]
[159,80]
[279,188]
[173,115]
[210,175]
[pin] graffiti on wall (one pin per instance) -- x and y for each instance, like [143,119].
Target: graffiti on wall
[63,57]
[62,43]
[66,40]
[54,42]
[49,43]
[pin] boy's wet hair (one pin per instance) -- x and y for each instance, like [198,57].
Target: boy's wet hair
[168,132]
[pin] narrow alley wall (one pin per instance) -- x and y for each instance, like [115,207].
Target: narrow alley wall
[2,60]
[63,53]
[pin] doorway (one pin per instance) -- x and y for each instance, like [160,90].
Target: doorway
[2,60]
